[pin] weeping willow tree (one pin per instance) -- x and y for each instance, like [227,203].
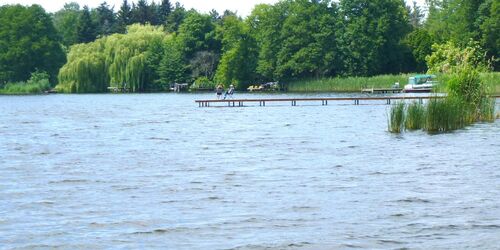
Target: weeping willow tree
[119,60]
[128,56]
[85,70]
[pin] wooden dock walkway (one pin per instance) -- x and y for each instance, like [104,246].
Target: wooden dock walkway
[324,100]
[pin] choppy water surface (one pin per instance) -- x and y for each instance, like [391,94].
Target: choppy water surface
[157,171]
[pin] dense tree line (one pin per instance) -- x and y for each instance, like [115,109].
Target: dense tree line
[81,25]
[292,39]
[28,43]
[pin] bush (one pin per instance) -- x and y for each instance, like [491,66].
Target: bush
[202,83]
[38,82]
[446,58]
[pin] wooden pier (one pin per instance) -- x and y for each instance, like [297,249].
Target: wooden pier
[324,101]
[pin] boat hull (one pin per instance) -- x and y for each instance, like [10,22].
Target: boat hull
[417,90]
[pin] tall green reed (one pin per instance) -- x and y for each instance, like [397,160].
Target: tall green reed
[415,116]
[397,118]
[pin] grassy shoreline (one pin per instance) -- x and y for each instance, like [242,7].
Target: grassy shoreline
[337,84]
[355,84]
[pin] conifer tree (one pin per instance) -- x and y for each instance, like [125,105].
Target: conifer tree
[124,17]
[165,10]
[85,29]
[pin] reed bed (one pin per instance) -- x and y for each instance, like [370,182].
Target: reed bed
[32,86]
[467,102]
[490,79]
[355,84]
[440,115]
[397,118]
[415,117]
[347,84]
[443,115]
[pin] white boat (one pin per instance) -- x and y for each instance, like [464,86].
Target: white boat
[420,84]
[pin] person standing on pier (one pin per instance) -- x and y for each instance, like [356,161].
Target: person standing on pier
[229,92]
[219,91]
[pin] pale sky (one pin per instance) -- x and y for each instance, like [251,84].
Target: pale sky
[243,7]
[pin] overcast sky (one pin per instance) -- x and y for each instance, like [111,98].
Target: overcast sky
[243,7]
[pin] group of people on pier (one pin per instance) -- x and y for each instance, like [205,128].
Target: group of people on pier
[220,89]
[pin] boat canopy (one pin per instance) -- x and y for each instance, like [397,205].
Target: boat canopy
[421,79]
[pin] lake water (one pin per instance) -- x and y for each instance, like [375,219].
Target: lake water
[156,171]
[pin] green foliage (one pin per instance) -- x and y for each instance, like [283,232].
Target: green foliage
[85,70]
[490,79]
[204,64]
[371,40]
[486,110]
[466,85]
[460,21]
[346,84]
[85,28]
[38,83]
[123,17]
[202,83]
[175,18]
[173,67]
[64,22]
[490,29]
[142,13]
[266,22]
[28,41]
[448,58]
[164,10]
[397,118]
[239,59]
[415,116]
[420,43]
[467,102]
[448,114]
[297,39]
[120,60]
[290,41]
[193,51]
[308,41]
[197,33]
[105,20]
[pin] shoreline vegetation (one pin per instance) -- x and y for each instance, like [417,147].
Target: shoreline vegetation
[468,102]
[305,46]
[355,84]
[40,83]
[337,84]
[37,84]
[312,46]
